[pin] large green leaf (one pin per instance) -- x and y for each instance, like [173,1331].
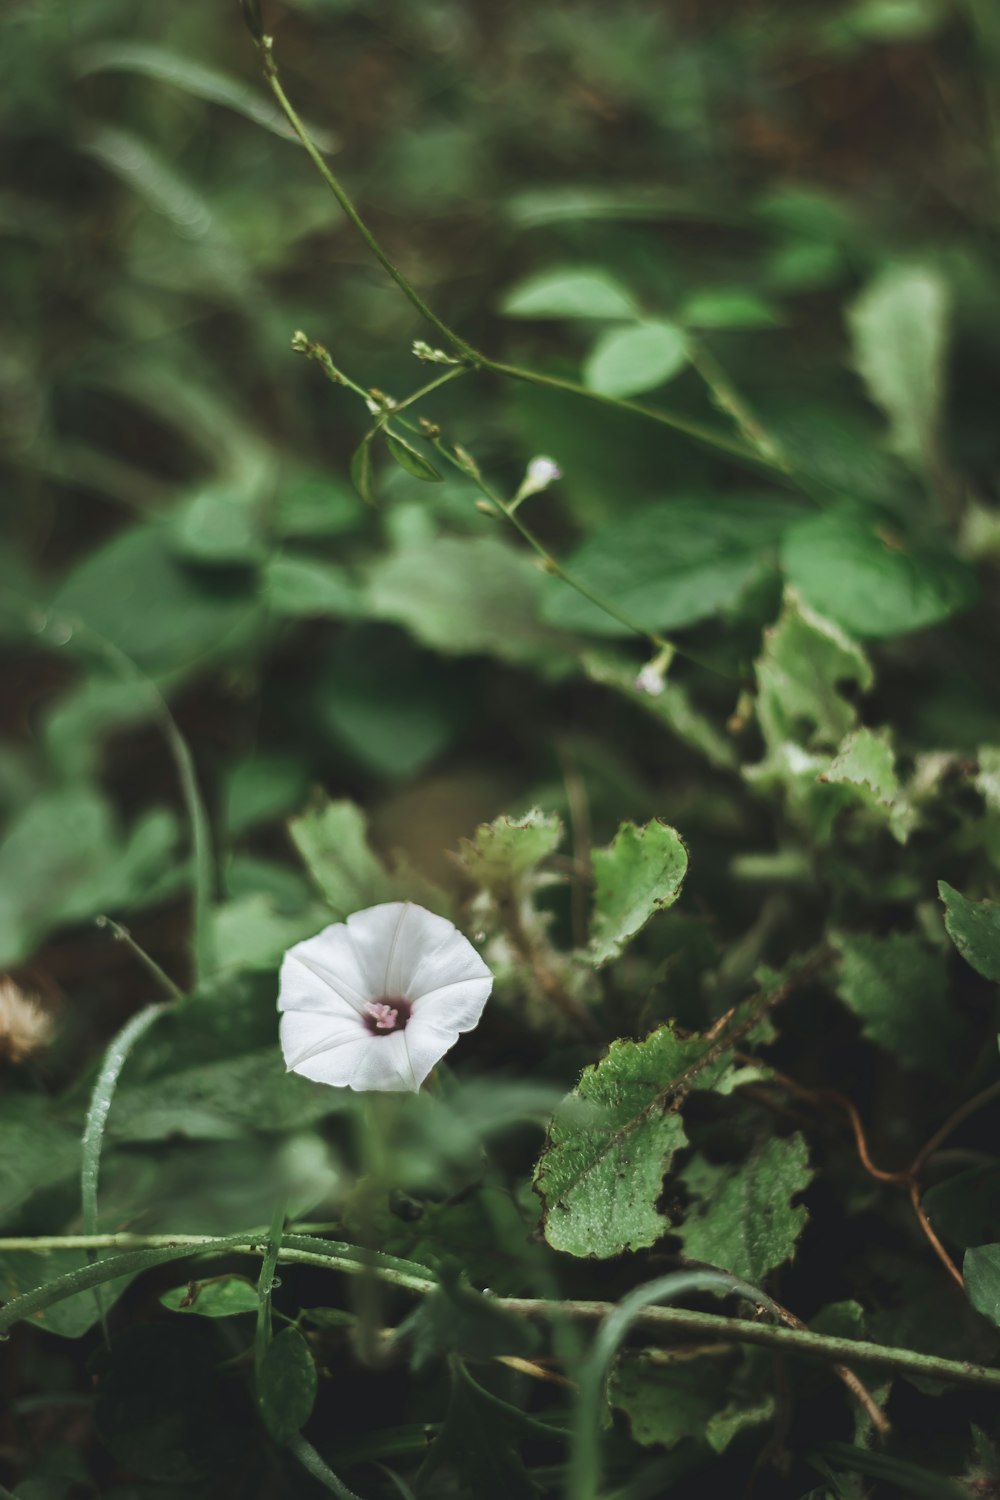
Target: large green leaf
[849,568]
[899,327]
[897,986]
[21,1271]
[568,293]
[667,1402]
[463,595]
[164,614]
[611,1141]
[742,1219]
[639,873]
[974,928]
[627,361]
[672,564]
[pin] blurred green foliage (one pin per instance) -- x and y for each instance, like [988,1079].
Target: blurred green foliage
[775,227]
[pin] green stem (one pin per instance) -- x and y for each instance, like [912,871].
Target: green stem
[122,935]
[693,429]
[265,1286]
[97,1119]
[143,1251]
[266,49]
[314,1465]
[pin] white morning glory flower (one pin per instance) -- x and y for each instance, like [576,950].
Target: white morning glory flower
[376,1001]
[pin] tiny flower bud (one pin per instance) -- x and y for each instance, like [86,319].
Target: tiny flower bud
[540,473]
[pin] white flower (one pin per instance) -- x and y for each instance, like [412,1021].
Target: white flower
[649,680]
[376,1001]
[540,473]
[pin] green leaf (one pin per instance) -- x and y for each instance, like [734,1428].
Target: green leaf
[223,1297]
[262,786]
[742,1219]
[332,838]
[667,1403]
[219,1101]
[463,595]
[965,1208]
[981,1269]
[672,564]
[410,458]
[502,853]
[306,587]
[849,569]
[286,1384]
[728,307]
[866,762]
[899,329]
[568,293]
[805,661]
[250,933]
[627,361]
[153,61]
[135,592]
[220,528]
[641,872]
[897,986]
[974,928]
[24,1271]
[611,1141]
[378,699]
[64,860]
[362,472]
[314,505]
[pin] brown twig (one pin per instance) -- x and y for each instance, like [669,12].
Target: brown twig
[908,1177]
[857,1388]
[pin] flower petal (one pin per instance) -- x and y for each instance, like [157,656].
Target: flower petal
[456,1006]
[385,1065]
[306,1034]
[322,973]
[391,941]
[426,1044]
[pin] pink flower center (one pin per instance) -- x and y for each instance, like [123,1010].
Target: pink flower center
[387,1015]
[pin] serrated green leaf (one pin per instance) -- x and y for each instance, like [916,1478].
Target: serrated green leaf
[639,873]
[500,854]
[286,1384]
[667,1403]
[742,1219]
[672,564]
[672,708]
[611,1142]
[223,1297]
[628,361]
[568,293]
[251,933]
[849,568]
[332,838]
[866,762]
[974,928]
[899,329]
[363,473]
[897,986]
[411,459]
[805,660]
